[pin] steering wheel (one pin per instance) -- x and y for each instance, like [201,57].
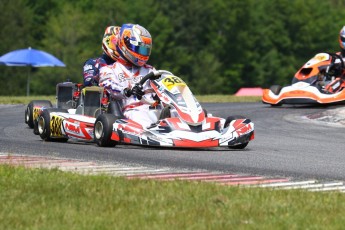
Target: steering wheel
[334,58]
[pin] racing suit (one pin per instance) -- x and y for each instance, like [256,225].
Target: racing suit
[120,76]
[91,69]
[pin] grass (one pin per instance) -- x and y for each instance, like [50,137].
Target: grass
[201,98]
[227,98]
[51,199]
[25,99]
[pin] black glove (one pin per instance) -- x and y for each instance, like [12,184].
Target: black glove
[137,91]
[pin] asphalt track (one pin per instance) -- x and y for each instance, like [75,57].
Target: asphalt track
[286,144]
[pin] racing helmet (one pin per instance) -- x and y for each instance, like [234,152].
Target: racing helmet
[134,44]
[342,38]
[109,42]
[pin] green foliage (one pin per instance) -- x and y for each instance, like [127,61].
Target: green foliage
[16,20]
[285,34]
[216,46]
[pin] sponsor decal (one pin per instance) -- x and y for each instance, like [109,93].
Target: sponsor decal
[36,113]
[121,77]
[72,128]
[195,144]
[87,67]
[318,58]
[244,130]
[321,57]
[297,92]
[55,126]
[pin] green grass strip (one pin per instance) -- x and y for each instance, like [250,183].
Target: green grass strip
[51,199]
[24,99]
[200,98]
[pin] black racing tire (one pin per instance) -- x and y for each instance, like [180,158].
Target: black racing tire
[227,123]
[29,113]
[35,130]
[240,146]
[205,111]
[43,125]
[276,89]
[276,105]
[103,129]
[165,113]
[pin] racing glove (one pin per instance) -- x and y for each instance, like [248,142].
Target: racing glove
[137,91]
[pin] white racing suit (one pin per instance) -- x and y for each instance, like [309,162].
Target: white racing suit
[117,77]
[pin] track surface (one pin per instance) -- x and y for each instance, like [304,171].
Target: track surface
[285,145]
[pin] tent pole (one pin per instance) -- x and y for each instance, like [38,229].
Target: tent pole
[28,84]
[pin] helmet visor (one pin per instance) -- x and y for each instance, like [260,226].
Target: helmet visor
[342,38]
[138,47]
[142,50]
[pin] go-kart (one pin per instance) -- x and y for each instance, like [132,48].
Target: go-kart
[75,123]
[73,116]
[316,82]
[67,97]
[182,121]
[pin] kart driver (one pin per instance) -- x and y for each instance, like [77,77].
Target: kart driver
[110,55]
[134,48]
[337,71]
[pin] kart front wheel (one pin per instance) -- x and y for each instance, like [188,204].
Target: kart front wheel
[165,113]
[276,89]
[103,129]
[227,123]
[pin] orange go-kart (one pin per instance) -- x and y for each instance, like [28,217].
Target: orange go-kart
[319,81]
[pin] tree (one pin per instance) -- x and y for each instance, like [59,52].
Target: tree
[67,37]
[16,20]
[215,46]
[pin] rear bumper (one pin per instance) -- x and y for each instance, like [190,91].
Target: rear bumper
[309,95]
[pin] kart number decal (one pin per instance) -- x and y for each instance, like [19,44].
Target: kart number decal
[317,59]
[172,81]
[55,126]
[321,57]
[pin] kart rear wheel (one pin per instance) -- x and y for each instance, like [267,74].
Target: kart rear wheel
[29,113]
[36,131]
[43,125]
[103,129]
[227,123]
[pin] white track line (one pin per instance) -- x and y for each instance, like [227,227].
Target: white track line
[290,183]
[141,172]
[315,186]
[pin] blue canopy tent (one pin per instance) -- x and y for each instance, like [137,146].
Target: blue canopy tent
[32,58]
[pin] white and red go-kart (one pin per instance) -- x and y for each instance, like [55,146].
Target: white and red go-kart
[182,121]
[73,117]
